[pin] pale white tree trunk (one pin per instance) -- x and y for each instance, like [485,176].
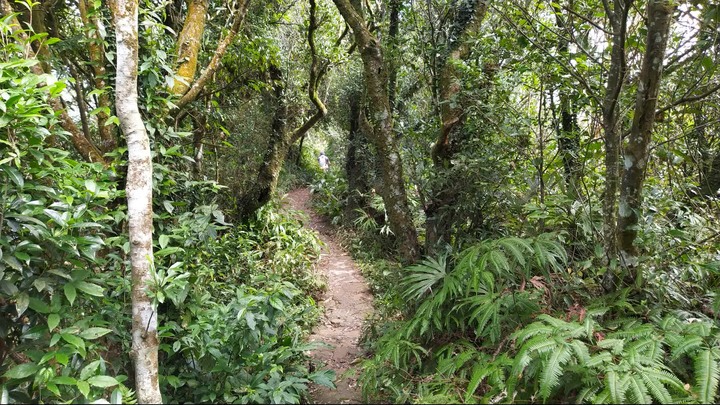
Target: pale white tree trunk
[139,195]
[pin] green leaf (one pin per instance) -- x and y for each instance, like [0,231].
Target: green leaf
[73,340]
[84,388]
[15,176]
[94,333]
[89,288]
[168,251]
[53,341]
[91,186]
[707,375]
[163,240]
[64,380]
[22,371]
[116,396]
[89,370]
[168,206]
[324,378]
[39,306]
[21,303]
[53,321]
[58,217]
[70,292]
[53,388]
[102,381]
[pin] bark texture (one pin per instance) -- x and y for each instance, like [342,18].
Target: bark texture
[188,46]
[381,135]
[139,194]
[96,49]
[192,93]
[636,156]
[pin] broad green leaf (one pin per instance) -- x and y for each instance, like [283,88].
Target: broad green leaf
[102,381]
[91,186]
[64,380]
[70,292]
[15,176]
[84,388]
[164,239]
[22,371]
[21,303]
[53,321]
[73,340]
[89,370]
[89,288]
[94,333]
[324,378]
[39,306]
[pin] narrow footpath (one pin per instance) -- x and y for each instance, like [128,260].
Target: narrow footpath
[347,301]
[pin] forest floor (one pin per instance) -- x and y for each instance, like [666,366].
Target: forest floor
[346,302]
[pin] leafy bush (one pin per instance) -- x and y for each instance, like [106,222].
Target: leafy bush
[223,340]
[475,332]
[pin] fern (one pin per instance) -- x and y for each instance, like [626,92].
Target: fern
[707,375]
[424,277]
[550,376]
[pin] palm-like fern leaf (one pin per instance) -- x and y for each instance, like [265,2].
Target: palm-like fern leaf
[552,370]
[424,276]
[707,375]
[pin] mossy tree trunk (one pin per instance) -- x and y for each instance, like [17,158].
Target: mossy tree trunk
[382,136]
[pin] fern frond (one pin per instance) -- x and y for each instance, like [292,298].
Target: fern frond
[637,390]
[423,277]
[552,369]
[531,330]
[581,351]
[615,389]
[615,345]
[517,247]
[684,345]
[707,375]
[498,261]
[665,377]
[656,388]
[647,351]
[479,372]
[555,322]
[600,358]
[587,395]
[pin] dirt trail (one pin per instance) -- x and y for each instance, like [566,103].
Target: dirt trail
[347,301]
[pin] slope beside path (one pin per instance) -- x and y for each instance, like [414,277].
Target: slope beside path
[347,302]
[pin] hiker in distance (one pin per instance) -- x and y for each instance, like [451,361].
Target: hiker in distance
[323,161]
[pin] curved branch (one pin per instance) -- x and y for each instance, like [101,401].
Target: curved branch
[212,67]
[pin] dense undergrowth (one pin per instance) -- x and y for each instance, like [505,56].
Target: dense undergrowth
[517,319]
[234,302]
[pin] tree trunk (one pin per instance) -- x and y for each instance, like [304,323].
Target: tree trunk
[192,93]
[280,139]
[357,167]
[376,83]
[96,49]
[139,194]
[568,131]
[618,20]
[188,46]
[636,157]
[444,193]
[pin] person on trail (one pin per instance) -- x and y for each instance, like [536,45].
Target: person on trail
[323,161]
